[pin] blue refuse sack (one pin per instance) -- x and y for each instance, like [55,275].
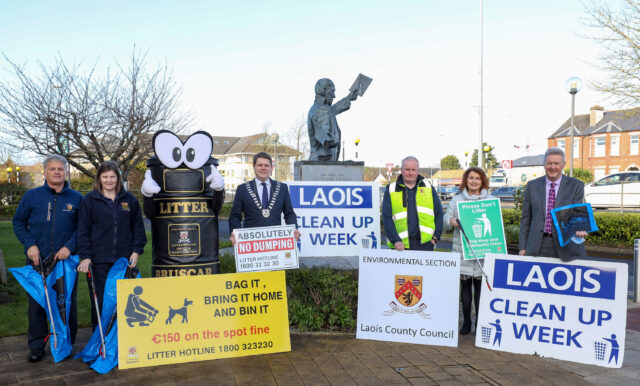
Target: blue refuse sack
[60,277]
[108,317]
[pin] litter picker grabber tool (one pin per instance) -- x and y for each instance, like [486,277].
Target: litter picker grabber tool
[46,294]
[486,278]
[103,349]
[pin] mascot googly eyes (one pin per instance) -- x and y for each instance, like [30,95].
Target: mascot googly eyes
[173,153]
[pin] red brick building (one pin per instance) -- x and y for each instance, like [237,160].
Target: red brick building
[605,142]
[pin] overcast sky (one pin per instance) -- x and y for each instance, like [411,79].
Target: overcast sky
[244,63]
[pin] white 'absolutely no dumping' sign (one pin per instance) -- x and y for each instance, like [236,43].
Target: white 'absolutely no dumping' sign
[265,248]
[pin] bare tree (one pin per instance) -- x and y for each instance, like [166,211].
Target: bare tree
[618,32]
[267,136]
[8,153]
[298,138]
[86,118]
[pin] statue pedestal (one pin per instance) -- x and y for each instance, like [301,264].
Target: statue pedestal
[328,171]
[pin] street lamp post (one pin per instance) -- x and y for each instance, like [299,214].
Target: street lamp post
[17,174]
[357,142]
[573,85]
[9,175]
[486,149]
[274,138]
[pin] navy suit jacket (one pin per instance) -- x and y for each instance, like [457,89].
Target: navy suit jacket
[244,204]
[570,191]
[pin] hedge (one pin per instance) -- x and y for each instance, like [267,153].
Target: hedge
[7,211]
[322,298]
[616,229]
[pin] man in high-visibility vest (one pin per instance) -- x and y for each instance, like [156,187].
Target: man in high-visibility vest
[411,211]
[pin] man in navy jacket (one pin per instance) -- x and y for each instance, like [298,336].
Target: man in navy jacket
[262,200]
[45,223]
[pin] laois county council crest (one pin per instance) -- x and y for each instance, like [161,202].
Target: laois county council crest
[408,292]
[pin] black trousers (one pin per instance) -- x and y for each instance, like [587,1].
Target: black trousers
[465,294]
[414,245]
[100,273]
[38,325]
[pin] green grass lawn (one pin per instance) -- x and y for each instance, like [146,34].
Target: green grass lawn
[14,314]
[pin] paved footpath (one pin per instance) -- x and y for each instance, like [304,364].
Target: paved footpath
[336,359]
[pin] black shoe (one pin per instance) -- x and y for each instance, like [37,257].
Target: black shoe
[466,327]
[35,355]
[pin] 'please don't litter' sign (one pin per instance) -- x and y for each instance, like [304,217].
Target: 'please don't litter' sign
[482,222]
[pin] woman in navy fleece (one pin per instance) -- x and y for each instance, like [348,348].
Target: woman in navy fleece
[109,227]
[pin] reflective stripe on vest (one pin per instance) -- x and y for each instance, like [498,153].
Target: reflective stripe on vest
[426,216]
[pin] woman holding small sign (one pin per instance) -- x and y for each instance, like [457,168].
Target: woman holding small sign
[474,186]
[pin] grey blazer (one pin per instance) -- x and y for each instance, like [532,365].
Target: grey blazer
[571,191]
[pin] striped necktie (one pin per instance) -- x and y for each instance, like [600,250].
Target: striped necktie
[551,200]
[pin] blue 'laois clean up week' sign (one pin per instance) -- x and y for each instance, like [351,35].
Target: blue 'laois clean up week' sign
[336,218]
[575,311]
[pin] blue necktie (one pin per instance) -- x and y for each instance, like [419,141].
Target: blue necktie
[265,196]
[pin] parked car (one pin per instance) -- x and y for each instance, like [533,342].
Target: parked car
[505,193]
[446,193]
[614,190]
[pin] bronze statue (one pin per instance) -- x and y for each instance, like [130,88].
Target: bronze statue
[324,132]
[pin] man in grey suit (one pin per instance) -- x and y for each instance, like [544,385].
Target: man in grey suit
[537,234]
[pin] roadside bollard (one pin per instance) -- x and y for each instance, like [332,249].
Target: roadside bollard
[636,270]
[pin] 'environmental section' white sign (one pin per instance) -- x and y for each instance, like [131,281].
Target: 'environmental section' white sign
[408,296]
[336,218]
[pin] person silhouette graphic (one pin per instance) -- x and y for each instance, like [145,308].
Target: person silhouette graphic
[615,347]
[498,335]
[137,310]
[374,240]
[486,224]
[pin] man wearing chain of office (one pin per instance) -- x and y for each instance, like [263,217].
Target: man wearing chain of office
[262,200]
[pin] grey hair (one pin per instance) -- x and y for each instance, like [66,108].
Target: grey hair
[409,158]
[553,151]
[55,158]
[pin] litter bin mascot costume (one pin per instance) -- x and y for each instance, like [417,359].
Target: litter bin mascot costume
[183,193]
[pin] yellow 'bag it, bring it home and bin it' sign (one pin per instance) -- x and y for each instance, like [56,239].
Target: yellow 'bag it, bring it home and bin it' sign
[194,318]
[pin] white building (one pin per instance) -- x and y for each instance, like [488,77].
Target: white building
[235,155]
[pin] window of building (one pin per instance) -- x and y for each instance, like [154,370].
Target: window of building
[614,169]
[561,144]
[598,173]
[576,147]
[600,144]
[634,141]
[615,145]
